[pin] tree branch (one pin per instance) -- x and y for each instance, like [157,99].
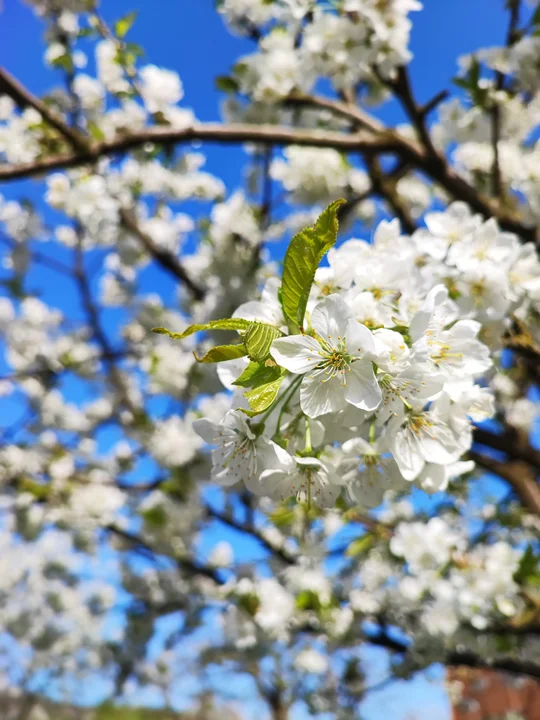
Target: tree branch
[510,665]
[183,563]
[389,142]
[384,186]
[509,444]
[9,85]
[210,132]
[278,551]
[518,475]
[97,331]
[163,257]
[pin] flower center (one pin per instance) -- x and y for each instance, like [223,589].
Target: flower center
[336,360]
[442,353]
[419,424]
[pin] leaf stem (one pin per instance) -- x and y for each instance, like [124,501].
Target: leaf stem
[285,399]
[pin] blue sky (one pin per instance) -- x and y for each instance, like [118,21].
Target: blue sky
[189,37]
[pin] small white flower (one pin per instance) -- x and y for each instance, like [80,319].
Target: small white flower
[160,88]
[311,480]
[338,360]
[311,661]
[241,455]
[423,438]
[368,472]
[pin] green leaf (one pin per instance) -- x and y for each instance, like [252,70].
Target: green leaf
[535,20]
[227,84]
[257,374]
[529,567]
[123,25]
[308,600]
[134,49]
[461,82]
[38,490]
[303,256]
[260,398]
[250,603]
[95,131]
[64,62]
[222,353]
[86,32]
[283,515]
[258,340]
[155,517]
[360,545]
[225,324]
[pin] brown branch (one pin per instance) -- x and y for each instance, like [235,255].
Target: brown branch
[440,97]
[374,139]
[9,85]
[97,331]
[183,563]
[344,109]
[210,132]
[510,665]
[512,36]
[24,98]
[423,156]
[278,551]
[496,175]
[518,475]
[460,657]
[372,524]
[401,86]
[385,186]
[429,160]
[508,443]
[38,257]
[163,257]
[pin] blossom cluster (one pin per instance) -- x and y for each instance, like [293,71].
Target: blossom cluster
[347,383]
[390,367]
[342,43]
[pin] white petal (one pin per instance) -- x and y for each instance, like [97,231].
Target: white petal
[465,329]
[362,389]
[230,370]
[433,478]
[439,446]
[436,297]
[357,446]
[298,353]
[228,470]
[317,433]
[409,460]
[256,310]
[329,318]
[271,455]
[320,394]
[360,340]
[238,423]
[208,430]
[277,484]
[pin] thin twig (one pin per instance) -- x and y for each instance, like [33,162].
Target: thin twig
[163,257]
[9,85]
